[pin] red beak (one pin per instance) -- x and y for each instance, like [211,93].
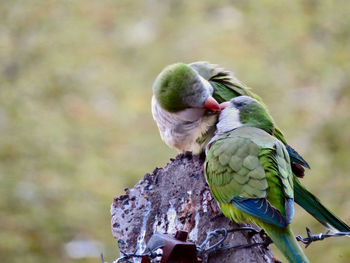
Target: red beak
[211,104]
[224,105]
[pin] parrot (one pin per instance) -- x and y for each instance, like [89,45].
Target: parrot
[249,174]
[185,105]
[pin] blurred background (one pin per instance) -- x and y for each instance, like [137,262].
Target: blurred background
[75,120]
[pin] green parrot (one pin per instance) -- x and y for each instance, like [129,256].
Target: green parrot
[185,103]
[249,174]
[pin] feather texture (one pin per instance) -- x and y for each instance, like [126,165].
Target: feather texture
[249,174]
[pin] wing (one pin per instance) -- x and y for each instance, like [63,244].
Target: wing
[242,173]
[226,86]
[277,167]
[233,169]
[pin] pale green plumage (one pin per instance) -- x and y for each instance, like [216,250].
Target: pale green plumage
[235,165]
[249,163]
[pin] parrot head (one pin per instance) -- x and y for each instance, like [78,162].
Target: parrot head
[179,87]
[244,111]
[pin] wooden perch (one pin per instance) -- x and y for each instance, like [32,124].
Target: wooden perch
[173,198]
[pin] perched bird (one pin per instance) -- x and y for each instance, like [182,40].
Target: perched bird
[249,174]
[185,103]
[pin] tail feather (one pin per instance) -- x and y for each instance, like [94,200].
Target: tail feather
[313,206]
[286,242]
[296,158]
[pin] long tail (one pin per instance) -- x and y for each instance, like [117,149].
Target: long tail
[313,206]
[286,242]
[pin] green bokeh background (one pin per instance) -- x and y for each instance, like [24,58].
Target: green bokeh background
[75,120]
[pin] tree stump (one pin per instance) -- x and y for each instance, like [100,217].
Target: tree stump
[173,198]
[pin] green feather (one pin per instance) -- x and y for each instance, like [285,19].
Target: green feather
[246,163]
[249,163]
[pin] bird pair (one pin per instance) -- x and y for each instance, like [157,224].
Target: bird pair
[251,170]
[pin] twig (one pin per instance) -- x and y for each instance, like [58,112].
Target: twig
[312,238]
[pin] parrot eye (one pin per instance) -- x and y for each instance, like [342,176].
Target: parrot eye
[239,104]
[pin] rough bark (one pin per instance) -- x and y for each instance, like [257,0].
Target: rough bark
[173,198]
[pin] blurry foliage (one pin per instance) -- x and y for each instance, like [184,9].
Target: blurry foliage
[75,91]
